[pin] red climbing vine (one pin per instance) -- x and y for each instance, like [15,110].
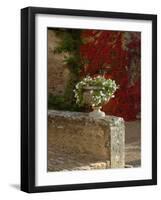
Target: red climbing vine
[116,55]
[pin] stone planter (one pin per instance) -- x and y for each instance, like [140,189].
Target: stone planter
[97,113]
[87,97]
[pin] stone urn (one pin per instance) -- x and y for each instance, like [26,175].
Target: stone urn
[87,98]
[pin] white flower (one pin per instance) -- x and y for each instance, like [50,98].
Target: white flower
[108,88]
[77,86]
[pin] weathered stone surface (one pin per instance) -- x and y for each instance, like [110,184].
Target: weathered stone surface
[99,143]
[62,161]
[133,143]
[58,72]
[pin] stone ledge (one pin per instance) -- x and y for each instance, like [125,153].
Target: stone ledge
[83,117]
[76,134]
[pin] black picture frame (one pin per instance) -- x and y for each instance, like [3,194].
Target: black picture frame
[28,98]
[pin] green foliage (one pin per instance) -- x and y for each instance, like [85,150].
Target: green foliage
[70,41]
[59,102]
[69,45]
[101,90]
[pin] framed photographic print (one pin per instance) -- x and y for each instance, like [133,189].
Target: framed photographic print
[88,99]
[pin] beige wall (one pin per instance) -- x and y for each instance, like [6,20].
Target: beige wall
[58,73]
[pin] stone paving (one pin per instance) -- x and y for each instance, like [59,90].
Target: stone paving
[133,143]
[62,161]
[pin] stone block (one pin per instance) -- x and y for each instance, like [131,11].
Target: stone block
[75,133]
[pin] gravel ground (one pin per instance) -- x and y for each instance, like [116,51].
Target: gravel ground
[133,143]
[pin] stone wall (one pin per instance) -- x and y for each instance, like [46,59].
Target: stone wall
[76,134]
[58,72]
